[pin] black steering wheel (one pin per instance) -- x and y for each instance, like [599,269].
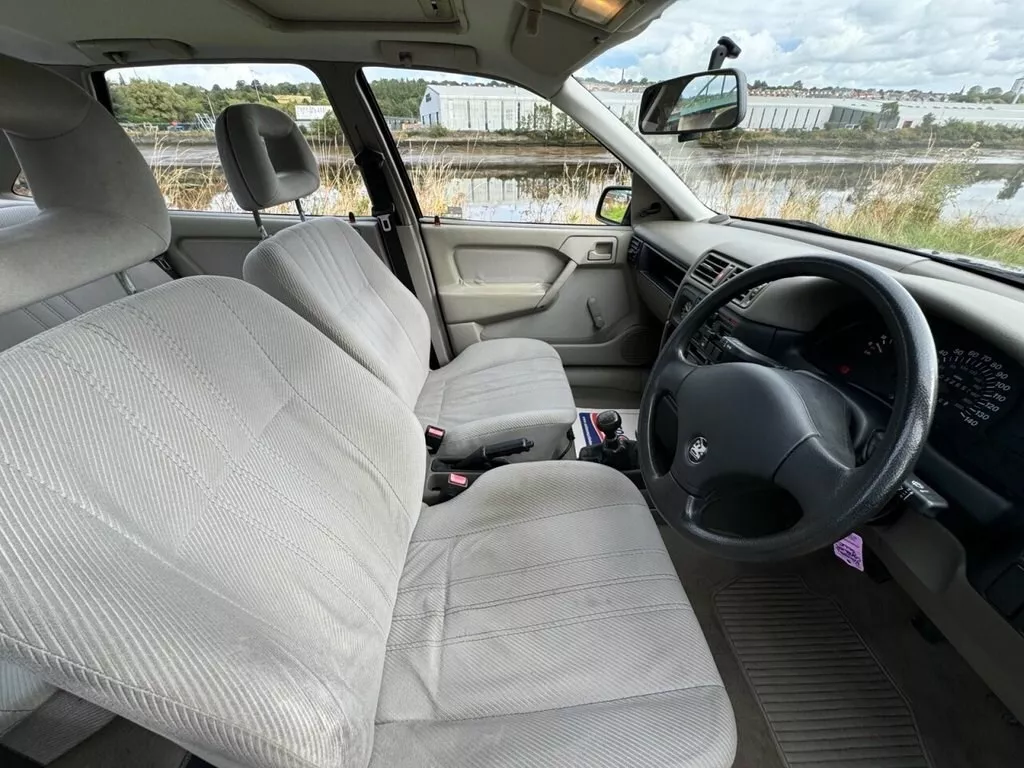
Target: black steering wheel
[782,456]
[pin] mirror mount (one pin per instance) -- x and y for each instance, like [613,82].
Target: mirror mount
[726,49]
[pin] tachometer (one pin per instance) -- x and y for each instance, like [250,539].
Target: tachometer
[973,387]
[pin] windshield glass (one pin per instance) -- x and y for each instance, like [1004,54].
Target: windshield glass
[896,121]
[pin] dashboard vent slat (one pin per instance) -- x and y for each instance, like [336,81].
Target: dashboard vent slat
[711,270]
[715,269]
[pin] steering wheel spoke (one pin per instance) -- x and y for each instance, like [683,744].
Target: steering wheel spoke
[816,477]
[672,374]
[675,504]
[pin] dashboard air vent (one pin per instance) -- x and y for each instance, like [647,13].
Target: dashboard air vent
[747,297]
[633,251]
[714,269]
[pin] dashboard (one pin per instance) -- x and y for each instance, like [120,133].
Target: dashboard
[964,567]
[978,425]
[979,421]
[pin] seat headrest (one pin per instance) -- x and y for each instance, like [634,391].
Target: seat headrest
[266,159]
[101,210]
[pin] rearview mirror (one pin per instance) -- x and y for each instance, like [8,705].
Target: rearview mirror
[706,101]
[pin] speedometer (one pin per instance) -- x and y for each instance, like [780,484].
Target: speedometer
[978,384]
[973,387]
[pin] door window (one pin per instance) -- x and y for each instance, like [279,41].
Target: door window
[488,151]
[170,111]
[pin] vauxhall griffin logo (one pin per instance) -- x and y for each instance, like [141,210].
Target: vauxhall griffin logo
[698,449]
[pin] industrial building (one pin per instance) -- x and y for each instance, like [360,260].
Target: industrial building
[494,107]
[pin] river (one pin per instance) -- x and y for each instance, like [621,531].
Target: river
[514,182]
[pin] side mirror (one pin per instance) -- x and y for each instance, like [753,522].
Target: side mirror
[613,206]
[715,100]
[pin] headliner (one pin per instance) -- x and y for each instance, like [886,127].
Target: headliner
[493,33]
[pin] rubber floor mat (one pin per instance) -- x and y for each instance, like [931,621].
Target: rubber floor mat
[827,700]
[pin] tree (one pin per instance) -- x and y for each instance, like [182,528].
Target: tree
[149,101]
[928,120]
[889,116]
[798,85]
[399,98]
[759,84]
[869,123]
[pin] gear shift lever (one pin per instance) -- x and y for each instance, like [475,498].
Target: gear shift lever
[617,450]
[609,422]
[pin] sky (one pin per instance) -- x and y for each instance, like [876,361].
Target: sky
[941,45]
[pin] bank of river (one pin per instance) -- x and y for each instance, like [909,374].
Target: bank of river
[529,182]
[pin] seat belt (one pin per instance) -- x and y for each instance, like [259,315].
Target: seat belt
[383,208]
[371,163]
[165,264]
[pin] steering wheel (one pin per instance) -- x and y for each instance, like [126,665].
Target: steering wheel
[755,440]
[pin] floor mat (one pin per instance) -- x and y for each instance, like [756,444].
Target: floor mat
[825,697]
[585,429]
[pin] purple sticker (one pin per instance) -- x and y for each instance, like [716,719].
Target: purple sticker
[851,551]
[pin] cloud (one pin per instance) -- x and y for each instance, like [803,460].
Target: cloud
[928,44]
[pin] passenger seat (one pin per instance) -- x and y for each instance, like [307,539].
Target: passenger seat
[494,391]
[98,220]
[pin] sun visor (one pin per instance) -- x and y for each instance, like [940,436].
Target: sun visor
[141,50]
[556,45]
[461,58]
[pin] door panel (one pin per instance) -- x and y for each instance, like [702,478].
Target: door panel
[567,285]
[217,243]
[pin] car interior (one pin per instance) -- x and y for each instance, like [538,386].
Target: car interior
[288,489]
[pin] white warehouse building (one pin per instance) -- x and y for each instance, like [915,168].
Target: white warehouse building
[481,107]
[494,108]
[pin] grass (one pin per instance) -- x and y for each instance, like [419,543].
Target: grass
[900,199]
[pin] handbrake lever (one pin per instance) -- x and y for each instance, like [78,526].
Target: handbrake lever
[486,454]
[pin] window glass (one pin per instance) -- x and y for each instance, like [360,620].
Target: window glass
[170,111]
[898,122]
[484,150]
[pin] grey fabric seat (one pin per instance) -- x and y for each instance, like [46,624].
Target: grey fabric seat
[25,322]
[212,527]
[236,558]
[540,621]
[97,212]
[495,390]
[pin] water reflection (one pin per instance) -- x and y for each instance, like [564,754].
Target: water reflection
[540,195]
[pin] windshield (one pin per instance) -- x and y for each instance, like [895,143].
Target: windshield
[898,122]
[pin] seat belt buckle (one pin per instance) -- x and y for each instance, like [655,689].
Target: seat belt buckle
[385,221]
[434,436]
[455,484]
